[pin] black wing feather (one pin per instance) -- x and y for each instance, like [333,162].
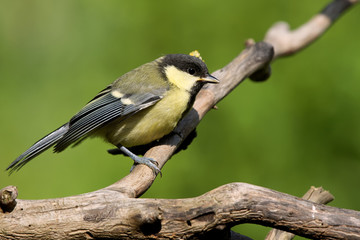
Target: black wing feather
[100,112]
[101,98]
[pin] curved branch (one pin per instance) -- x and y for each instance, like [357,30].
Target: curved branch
[316,195]
[287,42]
[107,216]
[252,62]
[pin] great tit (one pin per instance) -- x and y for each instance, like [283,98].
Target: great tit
[138,108]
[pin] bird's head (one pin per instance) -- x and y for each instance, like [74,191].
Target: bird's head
[186,72]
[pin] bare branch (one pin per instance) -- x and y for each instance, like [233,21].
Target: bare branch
[105,215]
[316,195]
[287,42]
[252,62]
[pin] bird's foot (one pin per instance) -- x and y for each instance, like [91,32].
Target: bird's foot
[151,163]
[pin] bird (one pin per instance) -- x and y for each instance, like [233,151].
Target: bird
[138,108]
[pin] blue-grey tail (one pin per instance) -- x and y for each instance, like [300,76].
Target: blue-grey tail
[40,146]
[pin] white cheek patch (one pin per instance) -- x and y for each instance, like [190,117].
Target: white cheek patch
[181,79]
[117,94]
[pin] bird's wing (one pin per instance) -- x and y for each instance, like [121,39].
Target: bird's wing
[105,107]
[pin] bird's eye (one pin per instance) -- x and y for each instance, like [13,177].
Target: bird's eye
[191,71]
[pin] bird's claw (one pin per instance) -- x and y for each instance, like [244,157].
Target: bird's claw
[151,163]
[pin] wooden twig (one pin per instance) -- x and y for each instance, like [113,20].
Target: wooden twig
[287,42]
[316,195]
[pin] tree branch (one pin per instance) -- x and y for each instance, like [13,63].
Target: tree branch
[288,42]
[316,195]
[105,215]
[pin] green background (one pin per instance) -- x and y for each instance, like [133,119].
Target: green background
[299,128]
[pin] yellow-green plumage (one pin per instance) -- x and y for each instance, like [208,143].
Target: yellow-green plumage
[158,120]
[141,106]
[150,124]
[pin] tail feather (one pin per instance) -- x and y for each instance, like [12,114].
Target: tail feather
[40,146]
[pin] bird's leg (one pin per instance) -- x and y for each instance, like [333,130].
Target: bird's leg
[151,163]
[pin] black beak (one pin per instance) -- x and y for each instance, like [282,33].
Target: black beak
[209,79]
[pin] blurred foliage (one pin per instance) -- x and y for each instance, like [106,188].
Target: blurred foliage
[299,128]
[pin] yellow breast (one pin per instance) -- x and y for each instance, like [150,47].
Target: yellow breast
[149,124]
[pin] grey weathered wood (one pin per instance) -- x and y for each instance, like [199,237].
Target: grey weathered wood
[105,214]
[316,195]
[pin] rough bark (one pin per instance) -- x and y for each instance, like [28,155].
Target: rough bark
[316,195]
[106,215]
